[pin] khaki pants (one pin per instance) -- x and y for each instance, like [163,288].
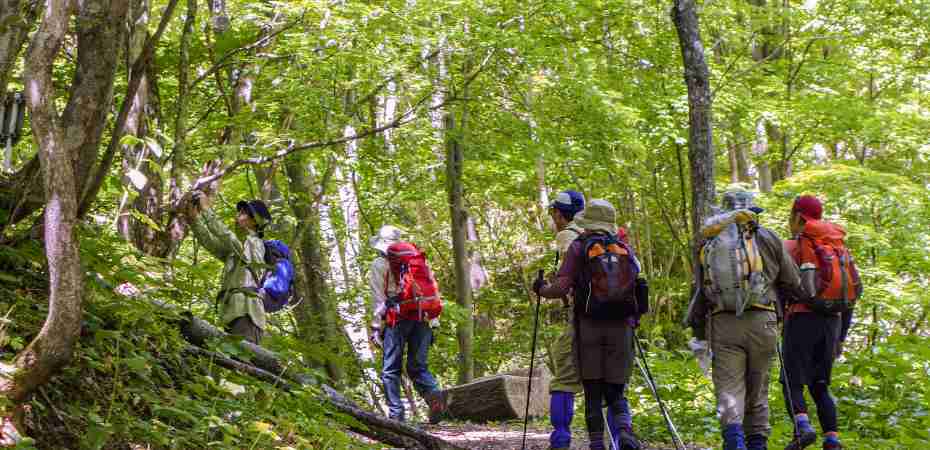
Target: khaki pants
[564,371]
[743,348]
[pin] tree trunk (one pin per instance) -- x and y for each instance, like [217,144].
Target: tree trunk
[315,318]
[500,397]
[52,348]
[455,189]
[760,152]
[354,310]
[700,135]
[16,19]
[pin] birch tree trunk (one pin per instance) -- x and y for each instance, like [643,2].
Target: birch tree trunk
[760,152]
[353,310]
[700,133]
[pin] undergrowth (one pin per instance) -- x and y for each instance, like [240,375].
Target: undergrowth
[130,385]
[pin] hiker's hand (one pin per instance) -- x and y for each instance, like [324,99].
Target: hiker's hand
[538,285]
[702,353]
[838,350]
[375,336]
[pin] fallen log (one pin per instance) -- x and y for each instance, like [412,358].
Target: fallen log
[500,397]
[268,366]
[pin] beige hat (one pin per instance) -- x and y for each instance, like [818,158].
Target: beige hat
[387,235]
[598,215]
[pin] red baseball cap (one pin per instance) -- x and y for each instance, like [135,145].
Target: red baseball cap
[809,207]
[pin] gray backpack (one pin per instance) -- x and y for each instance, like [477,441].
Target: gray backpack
[732,266]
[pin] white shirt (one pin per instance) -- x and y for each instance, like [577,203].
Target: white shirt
[378,274]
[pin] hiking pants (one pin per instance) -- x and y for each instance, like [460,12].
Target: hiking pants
[416,337]
[596,394]
[810,342]
[564,371]
[743,348]
[243,326]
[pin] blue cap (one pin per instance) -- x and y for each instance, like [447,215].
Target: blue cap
[569,203]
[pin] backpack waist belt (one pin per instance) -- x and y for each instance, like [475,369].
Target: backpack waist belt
[753,307]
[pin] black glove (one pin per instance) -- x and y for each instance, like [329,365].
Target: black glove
[538,285]
[392,301]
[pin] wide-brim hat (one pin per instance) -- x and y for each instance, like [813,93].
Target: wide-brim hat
[598,215]
[387,235]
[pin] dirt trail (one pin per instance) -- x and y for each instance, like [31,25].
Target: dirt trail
[508,437]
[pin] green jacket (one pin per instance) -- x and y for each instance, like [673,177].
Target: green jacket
[222,243]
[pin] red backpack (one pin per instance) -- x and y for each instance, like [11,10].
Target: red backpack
[419,293]
[821,248]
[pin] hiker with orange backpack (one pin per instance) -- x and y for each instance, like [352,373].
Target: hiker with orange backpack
[565,382]
[602,274]
[816,326]
[406,305]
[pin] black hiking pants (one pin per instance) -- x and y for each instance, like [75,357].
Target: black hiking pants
[810,343]
[596,394]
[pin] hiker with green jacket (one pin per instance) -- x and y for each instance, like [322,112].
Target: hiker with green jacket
[742,266]
[241,308]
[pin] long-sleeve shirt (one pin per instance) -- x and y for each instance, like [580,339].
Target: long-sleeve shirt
[383,285]
[572,263]
[779,267]
[237,284]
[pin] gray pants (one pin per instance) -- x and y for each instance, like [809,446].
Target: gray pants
[743,348]
[243,326]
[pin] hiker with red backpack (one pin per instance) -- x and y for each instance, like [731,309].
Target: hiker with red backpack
[241,308]
[742,265]
[601,272]
[816,325]
[565,382]
[406,305]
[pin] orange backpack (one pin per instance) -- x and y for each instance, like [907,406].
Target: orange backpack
[825,258]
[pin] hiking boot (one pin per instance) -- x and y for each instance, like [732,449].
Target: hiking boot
[626,440]
[733,437]
[832,443]
[757,442]
[437,407]
[803,440]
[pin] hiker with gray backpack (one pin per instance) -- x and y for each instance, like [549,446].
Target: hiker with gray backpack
[742,266]
[602,273]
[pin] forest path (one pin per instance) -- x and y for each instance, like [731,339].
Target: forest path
[509,436]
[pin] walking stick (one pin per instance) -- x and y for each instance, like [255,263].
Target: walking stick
[784,375]
[529,378]
[650,381]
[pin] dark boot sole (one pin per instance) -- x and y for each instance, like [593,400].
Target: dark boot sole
[803,441]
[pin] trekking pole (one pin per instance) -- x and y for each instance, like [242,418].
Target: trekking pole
[650,381]
[529,377]
[784,375]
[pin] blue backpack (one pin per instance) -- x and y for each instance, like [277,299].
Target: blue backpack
[278,282]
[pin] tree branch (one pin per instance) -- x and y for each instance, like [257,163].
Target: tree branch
[137,72]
